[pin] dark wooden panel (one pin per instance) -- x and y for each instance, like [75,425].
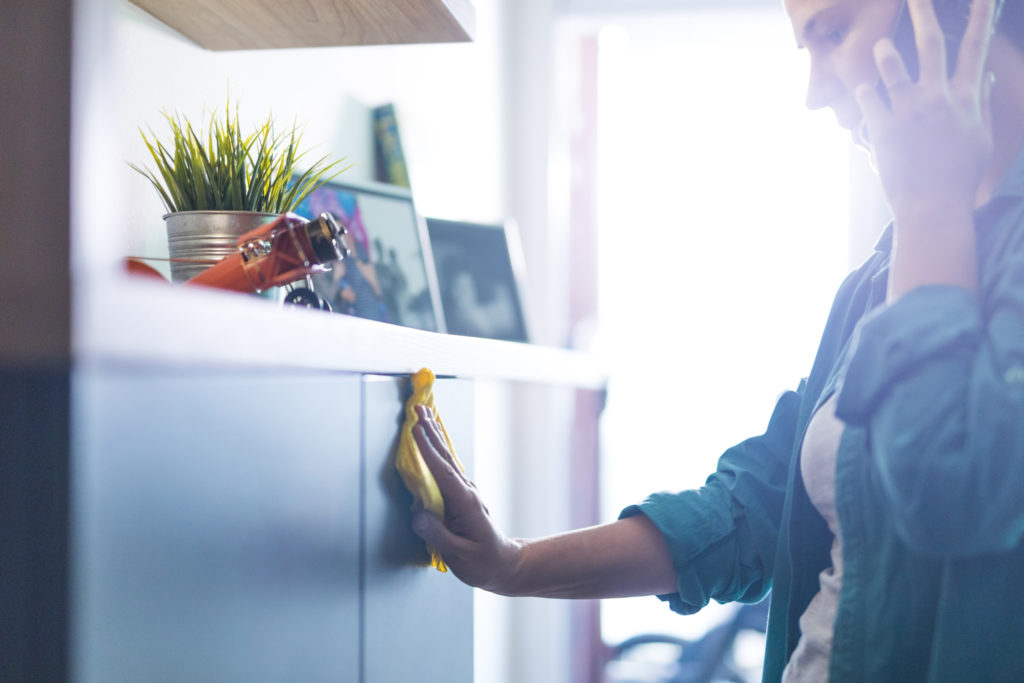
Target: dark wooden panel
[418,622]
[35,163]
[216,526]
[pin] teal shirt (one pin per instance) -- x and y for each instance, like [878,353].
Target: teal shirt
[929,480]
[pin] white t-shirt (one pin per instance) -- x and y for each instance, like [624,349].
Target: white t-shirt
[810,660]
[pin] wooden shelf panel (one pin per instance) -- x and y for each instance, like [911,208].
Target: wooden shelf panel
[134,320]
[261,24]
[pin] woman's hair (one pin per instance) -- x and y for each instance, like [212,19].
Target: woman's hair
[1011,23]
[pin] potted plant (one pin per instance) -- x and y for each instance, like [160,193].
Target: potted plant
[219,184]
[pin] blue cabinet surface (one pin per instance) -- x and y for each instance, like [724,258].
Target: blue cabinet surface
[234,526]
[419,622]
[215,526]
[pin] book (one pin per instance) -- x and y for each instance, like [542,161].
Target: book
[390,164]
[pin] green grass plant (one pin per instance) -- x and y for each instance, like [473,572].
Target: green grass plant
[224,170]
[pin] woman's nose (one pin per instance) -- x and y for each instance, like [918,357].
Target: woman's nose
[823,87]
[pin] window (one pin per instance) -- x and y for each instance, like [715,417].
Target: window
[723,211]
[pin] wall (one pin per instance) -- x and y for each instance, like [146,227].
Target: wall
[473,119]
[869,209]
[447,98]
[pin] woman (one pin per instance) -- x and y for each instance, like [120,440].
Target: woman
[884,505]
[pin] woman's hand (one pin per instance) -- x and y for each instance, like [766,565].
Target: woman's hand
[627,557]
[467,539]
[933,148]
[934,144]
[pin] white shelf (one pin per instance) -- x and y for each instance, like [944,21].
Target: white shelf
[134,320]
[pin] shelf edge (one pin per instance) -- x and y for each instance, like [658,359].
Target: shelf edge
[132,320]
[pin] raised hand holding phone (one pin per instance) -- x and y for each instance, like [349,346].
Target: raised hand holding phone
[933,145]
[953,16]
[935,139]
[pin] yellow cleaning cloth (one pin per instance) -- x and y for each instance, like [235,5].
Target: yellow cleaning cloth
[409,462]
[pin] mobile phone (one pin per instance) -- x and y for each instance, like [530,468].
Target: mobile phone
[953,16]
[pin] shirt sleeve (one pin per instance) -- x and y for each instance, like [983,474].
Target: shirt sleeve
[722,537]
[937,380]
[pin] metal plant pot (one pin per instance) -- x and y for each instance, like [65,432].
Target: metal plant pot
[198,239]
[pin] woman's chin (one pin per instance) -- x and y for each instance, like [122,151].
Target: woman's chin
[859,137]
[872,158]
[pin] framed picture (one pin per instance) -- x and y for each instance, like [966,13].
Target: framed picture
[390,276]
[479,273]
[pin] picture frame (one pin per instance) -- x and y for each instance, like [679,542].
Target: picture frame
[390,276]
[480,275]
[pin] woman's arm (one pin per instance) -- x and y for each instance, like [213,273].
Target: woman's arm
[628,557]
[623,559]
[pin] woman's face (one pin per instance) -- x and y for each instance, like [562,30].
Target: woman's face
[839,36]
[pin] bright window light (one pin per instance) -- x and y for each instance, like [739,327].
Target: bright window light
[723,211]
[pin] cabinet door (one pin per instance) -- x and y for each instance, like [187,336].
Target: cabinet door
[215,526]
[418,622]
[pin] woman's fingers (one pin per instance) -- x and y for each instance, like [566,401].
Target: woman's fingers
[931,43]
[435,533]
[449,480]
[971,62]
[989,80]
[872,106]
[437,438]
[931,47]
[892,70]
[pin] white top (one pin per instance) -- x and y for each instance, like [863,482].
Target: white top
[136,320]
[810,660]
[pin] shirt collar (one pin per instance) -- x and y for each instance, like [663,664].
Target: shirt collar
[884,243]
[1012,183]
